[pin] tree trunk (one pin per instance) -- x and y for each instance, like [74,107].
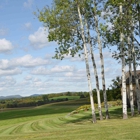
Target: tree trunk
[124,99]
[134,68]
[87,66]
[102,62]
[136,79]
[95,73]
[129,27]
[130,79]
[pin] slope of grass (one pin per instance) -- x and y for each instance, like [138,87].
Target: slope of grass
[53,121]
[68,97]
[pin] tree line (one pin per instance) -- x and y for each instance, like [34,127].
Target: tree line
[113,94]
[78,26]
[32,101]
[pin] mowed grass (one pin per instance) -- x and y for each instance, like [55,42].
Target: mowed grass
[53,121]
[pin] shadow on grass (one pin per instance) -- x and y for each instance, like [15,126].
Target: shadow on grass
[79,120]
[59,108]
[115,113]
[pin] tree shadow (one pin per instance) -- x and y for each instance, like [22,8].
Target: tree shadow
[115,113]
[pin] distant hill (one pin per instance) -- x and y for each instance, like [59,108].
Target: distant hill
[34,95]
[10,97]
[17,96]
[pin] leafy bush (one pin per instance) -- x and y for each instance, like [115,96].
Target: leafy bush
[87,107]
[81,108]
[113,103]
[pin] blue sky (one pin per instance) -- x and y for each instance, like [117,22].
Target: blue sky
[26,64]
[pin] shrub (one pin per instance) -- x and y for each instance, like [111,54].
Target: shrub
[87,107]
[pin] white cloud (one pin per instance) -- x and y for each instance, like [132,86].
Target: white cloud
[7,81]
[2,88]
[36,80]
[69,74]
[75,58]
[29,61]
[40,71]
[38,39]
[54,70]
[28,4]
[74,76]
[10,80]
[73,79]
[25,61]
[10,71]
[5,45]
[64,74]
[62,68]
[28,78]
[23,84]
[38,84]
[77,73]
[42,89]
[4,64]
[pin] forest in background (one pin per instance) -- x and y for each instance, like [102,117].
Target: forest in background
[113,94]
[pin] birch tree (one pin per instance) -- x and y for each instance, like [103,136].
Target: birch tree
[135,31]
[101,58]
[95,72]
[124,96]
[120,14]
[86,61]
[128,32]
[116,37]
[65,25]
[132,14]
[136,77]
[130,79]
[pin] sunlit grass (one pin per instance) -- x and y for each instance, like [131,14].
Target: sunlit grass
[53,121]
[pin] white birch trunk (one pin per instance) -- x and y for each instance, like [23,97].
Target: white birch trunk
[134,68]
[87,66]
[95,74]
[124,97]
[102,62]
[130,79]
[136,79]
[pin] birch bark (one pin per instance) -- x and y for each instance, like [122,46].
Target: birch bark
[136,79]
[134,68]
[124,97]
[102,61]
[95,72]
[87,66]
[130,79]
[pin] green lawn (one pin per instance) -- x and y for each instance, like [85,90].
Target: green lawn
[68,97]
[52,121]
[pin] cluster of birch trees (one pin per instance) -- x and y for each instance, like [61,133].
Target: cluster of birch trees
[80,25]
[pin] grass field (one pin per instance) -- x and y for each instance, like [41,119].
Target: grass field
[68,97]
[53,121]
